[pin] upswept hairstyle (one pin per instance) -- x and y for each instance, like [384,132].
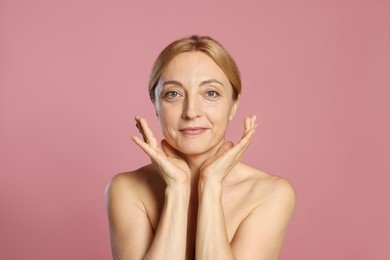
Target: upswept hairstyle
[194,43]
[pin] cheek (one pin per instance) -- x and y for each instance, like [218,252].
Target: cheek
[221,113]
[164,121]
[162,112]
[168,122]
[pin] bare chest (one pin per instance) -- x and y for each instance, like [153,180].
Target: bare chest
[236,204]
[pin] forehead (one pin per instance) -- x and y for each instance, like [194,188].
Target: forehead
[193,66]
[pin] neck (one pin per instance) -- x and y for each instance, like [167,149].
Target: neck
[195,161]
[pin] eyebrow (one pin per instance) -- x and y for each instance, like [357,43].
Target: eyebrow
[205,82]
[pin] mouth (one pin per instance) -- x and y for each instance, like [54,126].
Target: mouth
[190,131]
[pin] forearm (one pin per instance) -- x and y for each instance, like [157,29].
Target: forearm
[211,239]
[170,239]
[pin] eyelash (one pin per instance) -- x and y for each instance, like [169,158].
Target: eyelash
[171,95]
[211,94]
[214,96]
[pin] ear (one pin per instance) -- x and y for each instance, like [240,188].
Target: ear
[234,108]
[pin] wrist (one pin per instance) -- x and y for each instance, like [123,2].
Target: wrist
[210,177]
[178,191]
[210,186]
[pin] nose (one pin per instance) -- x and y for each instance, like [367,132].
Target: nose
[192,108]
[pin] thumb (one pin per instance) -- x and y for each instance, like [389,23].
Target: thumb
[226,146]
[168,149]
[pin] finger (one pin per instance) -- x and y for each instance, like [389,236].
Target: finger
[219,155]
[246,124]
[146,131]
[226,146]
[253,122]
[145,147]
[244,142]
[241,146]
[246,138]
[168,149]
[221,151]
[140,130]
[249,123]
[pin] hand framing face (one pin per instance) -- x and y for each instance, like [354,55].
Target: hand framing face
[173,169]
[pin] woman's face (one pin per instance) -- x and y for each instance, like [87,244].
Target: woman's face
[194,103]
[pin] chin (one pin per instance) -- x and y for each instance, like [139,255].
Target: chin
[193,151]
[195,148]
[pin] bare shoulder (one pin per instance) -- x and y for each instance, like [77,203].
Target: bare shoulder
[267,187]
[129,178]
[270,201]
[132,183]
[127,194]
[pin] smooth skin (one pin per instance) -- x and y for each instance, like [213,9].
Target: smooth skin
[196,200]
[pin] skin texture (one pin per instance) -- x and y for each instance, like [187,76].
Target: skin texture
[196,200]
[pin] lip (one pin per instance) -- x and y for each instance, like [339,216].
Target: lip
[193,130]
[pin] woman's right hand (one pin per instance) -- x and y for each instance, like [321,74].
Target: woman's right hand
[172,168]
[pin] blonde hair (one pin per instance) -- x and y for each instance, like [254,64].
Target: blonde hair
[194,43]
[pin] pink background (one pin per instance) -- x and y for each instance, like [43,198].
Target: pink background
[74,73]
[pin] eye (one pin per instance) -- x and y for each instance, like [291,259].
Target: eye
[212,94]
[171,94]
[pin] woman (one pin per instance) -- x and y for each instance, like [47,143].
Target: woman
[196,200]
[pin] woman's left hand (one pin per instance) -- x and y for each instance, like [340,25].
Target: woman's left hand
[217,167]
